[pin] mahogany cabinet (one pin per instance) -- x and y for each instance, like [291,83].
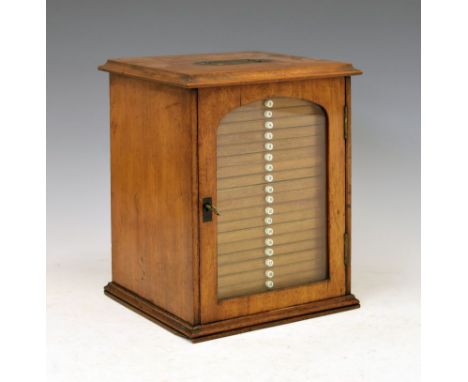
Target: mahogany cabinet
[230,189]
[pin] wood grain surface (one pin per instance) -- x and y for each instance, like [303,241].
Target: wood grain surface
[348,182]
[221,69]
[188,127]
[154,193]
[235,325]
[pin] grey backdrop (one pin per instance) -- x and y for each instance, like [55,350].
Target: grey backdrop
[380,37]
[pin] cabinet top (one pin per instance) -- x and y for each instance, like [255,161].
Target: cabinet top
[234,68]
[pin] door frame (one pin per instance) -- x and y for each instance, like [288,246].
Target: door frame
[213,105]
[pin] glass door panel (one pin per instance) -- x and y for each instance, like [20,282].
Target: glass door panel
[272,197]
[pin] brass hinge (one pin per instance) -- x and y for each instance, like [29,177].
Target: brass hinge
[346,248]
[345,122]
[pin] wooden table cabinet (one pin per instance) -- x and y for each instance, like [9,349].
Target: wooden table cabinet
[230,189]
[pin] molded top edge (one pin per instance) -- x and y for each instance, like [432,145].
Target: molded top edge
[234,68]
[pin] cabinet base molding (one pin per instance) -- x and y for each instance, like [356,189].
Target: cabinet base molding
[212,330]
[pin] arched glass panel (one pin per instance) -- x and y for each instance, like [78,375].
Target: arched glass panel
[272,196]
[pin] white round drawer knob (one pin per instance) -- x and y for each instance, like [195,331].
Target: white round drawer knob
[269,199]
[269,167]
[269,189]
[269,136]
[269,178]
[268,220]
[269,231]
[269,251]
[269,273]
[269,125]
[269,284]
[269,211]
[268,114]
[269,242]
[269,146]
[268,103]
[268,157]
[269,262]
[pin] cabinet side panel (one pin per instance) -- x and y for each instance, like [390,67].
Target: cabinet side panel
[153,178]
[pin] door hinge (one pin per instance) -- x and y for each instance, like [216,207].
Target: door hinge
[346,248]
[345,122]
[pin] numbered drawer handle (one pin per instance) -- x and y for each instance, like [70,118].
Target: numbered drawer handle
[208,209]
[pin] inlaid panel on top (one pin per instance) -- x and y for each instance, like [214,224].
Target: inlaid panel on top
[272,196]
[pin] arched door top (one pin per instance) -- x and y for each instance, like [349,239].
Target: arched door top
[271,195]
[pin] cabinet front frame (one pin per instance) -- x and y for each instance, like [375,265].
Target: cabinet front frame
[213,105]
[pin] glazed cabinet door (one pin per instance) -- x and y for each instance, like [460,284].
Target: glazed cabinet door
[272,196]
